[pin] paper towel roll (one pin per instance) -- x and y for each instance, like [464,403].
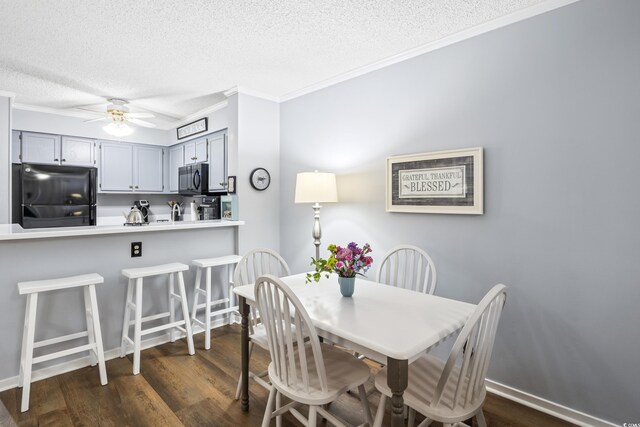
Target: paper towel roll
[194,211]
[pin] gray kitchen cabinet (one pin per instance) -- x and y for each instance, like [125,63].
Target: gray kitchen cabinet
[56,149]
[218,162]
[77,151]
[176,160]
[40,148]
[116,166]
[15,146]
[147,168]
[131,168]
[196,151]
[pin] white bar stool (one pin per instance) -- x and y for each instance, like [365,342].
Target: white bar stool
[136,276]
[93,332]
[207,264]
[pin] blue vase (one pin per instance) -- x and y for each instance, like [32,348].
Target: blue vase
[347,285]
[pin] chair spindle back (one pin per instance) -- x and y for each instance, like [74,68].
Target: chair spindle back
[290,334]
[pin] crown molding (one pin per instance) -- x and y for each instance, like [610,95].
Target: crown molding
[246,91]
[468,33]
[7,94]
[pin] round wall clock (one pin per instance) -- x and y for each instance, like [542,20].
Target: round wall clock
[260,179]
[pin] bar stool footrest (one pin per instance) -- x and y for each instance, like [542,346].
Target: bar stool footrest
[57,340]
[63,353]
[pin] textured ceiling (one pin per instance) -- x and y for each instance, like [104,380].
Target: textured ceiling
[175,58]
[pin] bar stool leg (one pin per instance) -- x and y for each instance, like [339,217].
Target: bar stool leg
[185,313]
[32,305]
[93,355]
[207,310]
[137,327]
[97,334]
[127,319]
[172,307]
[196,295]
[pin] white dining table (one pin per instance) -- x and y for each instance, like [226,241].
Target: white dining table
[390,325]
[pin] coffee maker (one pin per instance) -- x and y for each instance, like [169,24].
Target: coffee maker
[143,205]
[209,208]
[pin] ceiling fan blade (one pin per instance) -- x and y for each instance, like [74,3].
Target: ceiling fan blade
[95,120]
[142,123]
[139,115]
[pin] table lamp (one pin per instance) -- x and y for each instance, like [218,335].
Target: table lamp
[316,187]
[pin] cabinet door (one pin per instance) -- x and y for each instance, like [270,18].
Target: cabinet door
[190,153]
[116,167]
[202,154]
[78,151]
[218,163]
[176,160]
[15,147]
[40,148]
[147,168]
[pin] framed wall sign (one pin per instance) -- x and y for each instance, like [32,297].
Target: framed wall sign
[193,128]
[448,182]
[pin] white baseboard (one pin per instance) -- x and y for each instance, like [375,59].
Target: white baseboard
[81,362]
[546,406]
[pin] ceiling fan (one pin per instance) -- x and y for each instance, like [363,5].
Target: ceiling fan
[118,113]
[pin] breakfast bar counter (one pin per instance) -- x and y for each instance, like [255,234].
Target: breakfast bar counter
[49,253]
[15,232]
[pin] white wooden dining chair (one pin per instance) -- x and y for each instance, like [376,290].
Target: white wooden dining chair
[253,264]
[408,267]
[303,369]
[452,391]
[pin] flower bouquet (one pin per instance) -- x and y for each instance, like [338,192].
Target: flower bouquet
[346,262]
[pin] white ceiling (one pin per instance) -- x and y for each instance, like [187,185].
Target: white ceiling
[175,58]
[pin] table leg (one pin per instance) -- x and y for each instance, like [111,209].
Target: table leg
[244,350]
[397,380]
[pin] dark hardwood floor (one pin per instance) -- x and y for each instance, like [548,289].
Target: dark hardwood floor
[175,389]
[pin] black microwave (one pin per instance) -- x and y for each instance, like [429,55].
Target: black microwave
[193,180]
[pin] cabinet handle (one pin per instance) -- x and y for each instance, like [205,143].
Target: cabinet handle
[55,160]
[223,184]
[131,186]
[137,186]
[64,160]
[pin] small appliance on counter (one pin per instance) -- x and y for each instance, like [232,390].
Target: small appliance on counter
[209,208]
[53,196]
[134,217]
[229,207]
[143,206]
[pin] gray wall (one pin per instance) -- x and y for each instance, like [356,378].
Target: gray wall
[554,102]
[257,138]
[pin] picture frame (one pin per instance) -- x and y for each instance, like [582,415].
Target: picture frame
[231,184]
[193,128]
[445,182]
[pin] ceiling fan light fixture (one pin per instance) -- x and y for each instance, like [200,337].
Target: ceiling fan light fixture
[118,129]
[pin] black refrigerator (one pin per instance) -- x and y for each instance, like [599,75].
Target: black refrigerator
[53,196]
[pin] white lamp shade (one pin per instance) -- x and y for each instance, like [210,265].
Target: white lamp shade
[316,187]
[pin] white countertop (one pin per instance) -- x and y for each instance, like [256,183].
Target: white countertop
[15,232]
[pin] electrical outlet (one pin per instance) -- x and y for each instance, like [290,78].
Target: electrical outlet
[136,249]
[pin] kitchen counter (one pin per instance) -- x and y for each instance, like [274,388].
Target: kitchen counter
[15,232]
